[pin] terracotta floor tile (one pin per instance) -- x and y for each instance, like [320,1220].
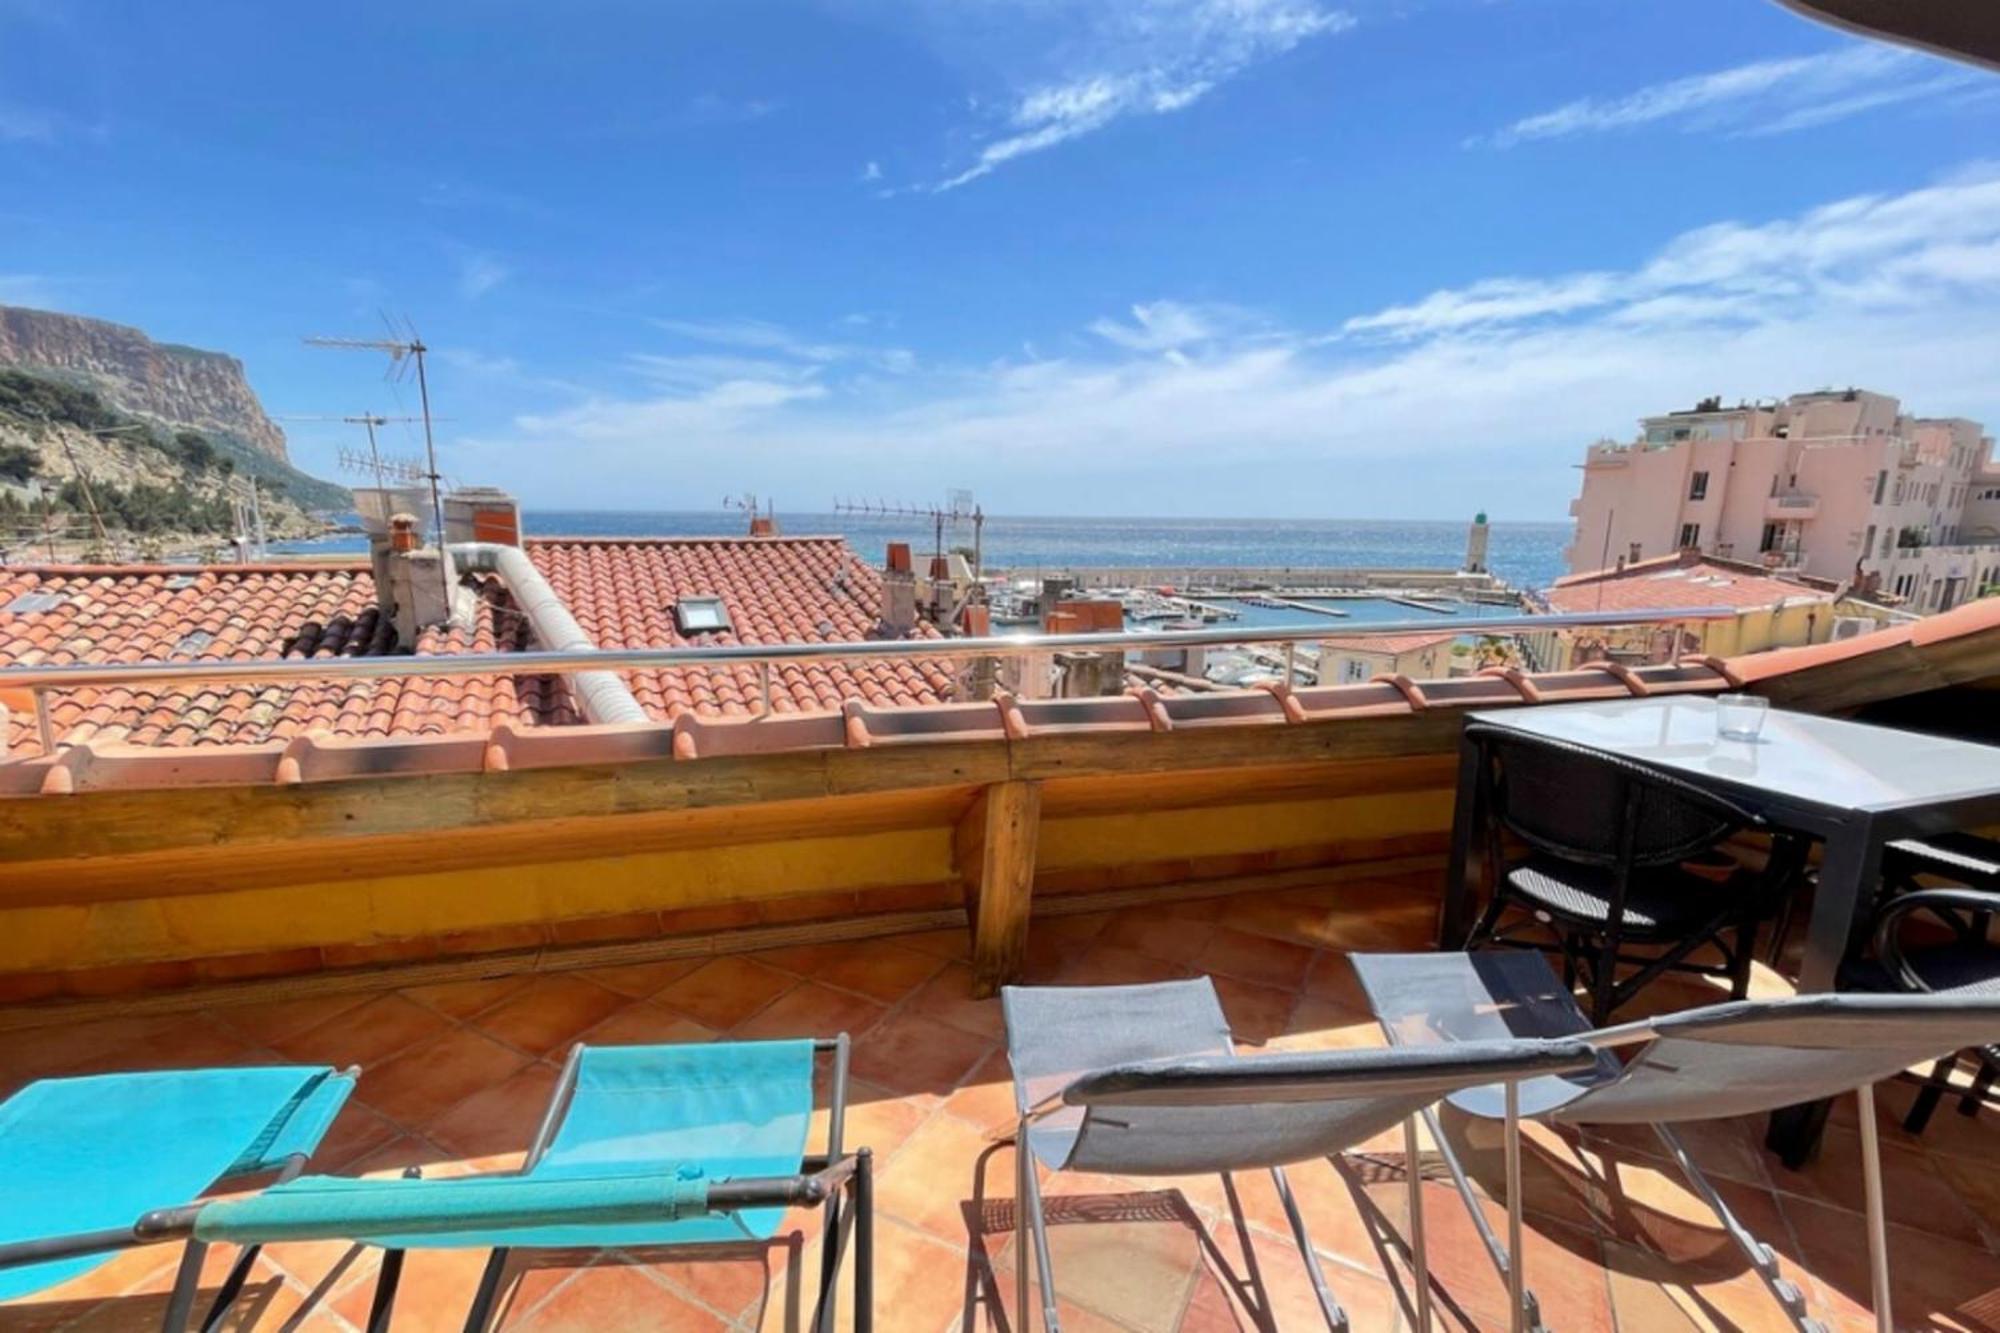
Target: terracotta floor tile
[421,1084]
[1730,1149]
[1230,1294]
[986,1098]
[1255,958]
[611,1294]
[357,1131]
[879,1119]
[1564,1267]
[911,1053]
[366,1034]
[1322,1025]
[500,1117]
[1155,934]
[812,1010]
[644,1024]
[1129,1256]
[1934,1283]
[1331,977]
[954,943]
[722,992]
[1977,1184]
[641,979]
[920,1286]
[878,969]
[436,1289]
[1914,1194]
[1110,965]
[940,1171]
[463,999]
[1655,1294]
[195,1043]
[1256,1013]
[947,997]
[268,1024]
[732,1281]
[549,1012]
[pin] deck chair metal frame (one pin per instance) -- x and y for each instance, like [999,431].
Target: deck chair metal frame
[822,1179]
[187,1277]
[1378,1088]
[1536,1004]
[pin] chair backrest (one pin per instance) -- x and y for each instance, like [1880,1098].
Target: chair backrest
[1224,1113]
[1585,806]
[1758,1055]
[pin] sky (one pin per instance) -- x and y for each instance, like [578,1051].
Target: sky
[1295,258]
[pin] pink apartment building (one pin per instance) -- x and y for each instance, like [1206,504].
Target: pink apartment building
[1838,484]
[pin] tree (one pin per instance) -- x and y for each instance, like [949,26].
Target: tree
[18,462]
[195,450]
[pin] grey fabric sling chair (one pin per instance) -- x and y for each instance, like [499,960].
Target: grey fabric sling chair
[1738,1058]
[1144,1081]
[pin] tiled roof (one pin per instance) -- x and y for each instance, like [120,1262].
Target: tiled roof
[776,590]
[1393,644]
[91,614]
[1667,582]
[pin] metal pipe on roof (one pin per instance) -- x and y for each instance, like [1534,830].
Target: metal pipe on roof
[602,695]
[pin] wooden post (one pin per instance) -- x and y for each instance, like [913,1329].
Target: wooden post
[995,849]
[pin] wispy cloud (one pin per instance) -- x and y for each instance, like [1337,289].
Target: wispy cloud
[762,336]
[480,273]
[1488,388]
[1124,58]
[712,109]
[1764,97]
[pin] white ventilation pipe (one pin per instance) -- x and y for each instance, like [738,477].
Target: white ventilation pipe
[601,694]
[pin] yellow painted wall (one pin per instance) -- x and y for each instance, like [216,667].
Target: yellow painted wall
[361,910]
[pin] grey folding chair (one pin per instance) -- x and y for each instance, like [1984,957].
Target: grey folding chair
[1144,1081]
[1739,1058]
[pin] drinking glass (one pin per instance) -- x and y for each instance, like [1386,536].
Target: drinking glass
[1740,717]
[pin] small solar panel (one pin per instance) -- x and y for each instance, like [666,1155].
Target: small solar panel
[29,602]
[700,615]
[193,643]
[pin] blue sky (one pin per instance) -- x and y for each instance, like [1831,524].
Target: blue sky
[1343,258]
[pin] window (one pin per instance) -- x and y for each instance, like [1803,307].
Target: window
[1698,486]
[1868,542]
[700,615]
[1632,557]
[1881,484]
[1354,671]
[1690,535]
[1772,533]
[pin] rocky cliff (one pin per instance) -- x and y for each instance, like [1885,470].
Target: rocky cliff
[182,387]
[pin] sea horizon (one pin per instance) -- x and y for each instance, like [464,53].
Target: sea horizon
[1525,554]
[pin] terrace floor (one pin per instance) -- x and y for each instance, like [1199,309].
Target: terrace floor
[457,1075]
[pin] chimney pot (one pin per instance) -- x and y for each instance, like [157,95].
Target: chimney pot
[899,557]
[402,532]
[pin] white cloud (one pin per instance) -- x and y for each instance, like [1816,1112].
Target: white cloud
[479,274]
[710,109]
[1120,58]
[1763,97]
[1472,396]
[871,172]
[758,335]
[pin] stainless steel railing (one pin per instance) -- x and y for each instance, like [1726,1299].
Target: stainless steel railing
[45,680]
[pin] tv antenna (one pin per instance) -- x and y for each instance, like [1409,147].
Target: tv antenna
[405,348]
[384,468]
[959,508]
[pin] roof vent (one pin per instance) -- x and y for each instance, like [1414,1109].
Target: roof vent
[29,602]
[701,615]
[192,643]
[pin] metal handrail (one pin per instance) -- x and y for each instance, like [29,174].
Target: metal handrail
[732,654]
[44,680]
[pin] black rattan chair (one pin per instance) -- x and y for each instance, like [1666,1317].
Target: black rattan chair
[1609,843]
[1958,957]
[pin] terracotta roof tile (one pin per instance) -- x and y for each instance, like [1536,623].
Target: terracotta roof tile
[776,590]
[1393,644]
[1667,583]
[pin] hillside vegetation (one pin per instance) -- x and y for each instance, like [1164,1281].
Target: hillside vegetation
[63,451]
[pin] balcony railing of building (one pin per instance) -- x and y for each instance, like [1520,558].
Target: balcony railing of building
[43,682]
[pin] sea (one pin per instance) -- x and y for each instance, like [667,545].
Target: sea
[1527,555]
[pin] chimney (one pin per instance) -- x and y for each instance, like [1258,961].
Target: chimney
[899,593]
[482,514]
[409,582]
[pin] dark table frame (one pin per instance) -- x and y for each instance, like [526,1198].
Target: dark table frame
[1850,868]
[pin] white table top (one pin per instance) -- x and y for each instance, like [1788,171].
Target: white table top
[1821,761]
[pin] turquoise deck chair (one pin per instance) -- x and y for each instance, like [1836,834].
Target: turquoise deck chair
[82,1158]
[641,1146]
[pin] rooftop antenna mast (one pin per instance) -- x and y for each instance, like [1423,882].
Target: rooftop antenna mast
[959,508]
[405,346]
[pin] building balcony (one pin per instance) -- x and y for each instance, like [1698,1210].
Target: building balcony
[1791,507]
